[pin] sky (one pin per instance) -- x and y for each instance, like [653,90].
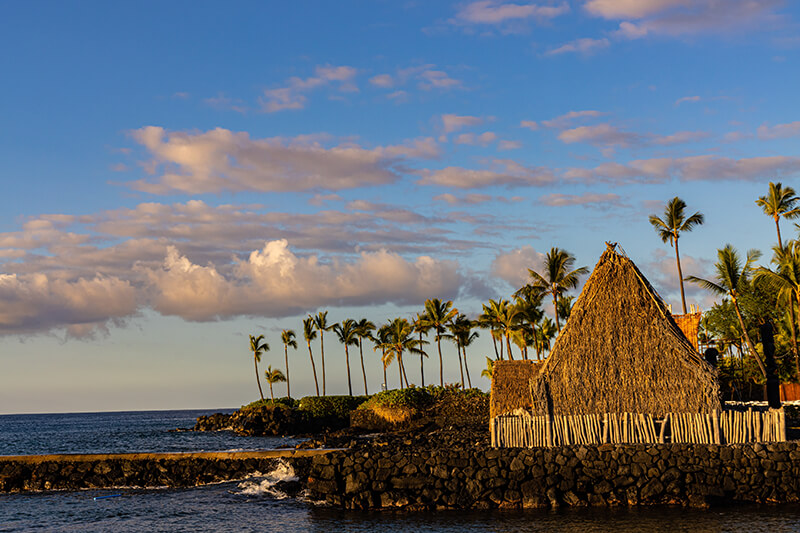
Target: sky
[179,175]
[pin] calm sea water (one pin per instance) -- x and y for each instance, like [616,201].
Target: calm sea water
[255,505]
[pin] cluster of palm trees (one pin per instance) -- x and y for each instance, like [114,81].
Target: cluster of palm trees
[521,322]
[735,274]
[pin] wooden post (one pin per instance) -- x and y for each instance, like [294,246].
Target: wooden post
[715,422]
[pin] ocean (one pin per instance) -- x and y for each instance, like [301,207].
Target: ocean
[255,505]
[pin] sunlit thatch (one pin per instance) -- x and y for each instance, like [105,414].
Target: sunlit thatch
[511,386]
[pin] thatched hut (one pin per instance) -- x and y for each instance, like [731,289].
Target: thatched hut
[621,351]
[511,387]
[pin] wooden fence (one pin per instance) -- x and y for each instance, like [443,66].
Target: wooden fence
[522,430]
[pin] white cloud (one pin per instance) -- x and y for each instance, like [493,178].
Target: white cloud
[437,79]
[687,99]
[585,46]
[779,131]
[632,8]
[497,12]
[483,139]
[451,123]
[503,172]
[513,266]
[467,199]
[222,160]
[529,124]
[599,200]
[276,282]
[508,145]
[382,80]
[566,119]
[600,134]
[292,96]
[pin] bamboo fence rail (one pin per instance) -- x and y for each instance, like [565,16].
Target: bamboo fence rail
[522,430]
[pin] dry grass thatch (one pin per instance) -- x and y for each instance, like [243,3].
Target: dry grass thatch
[393,415]
[511,386]
[621,351]
[690,326]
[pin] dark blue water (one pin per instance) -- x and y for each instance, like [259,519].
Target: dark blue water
[254,504]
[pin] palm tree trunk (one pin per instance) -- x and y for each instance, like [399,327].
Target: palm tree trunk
[258,381]
[313,367]
[747,337]
[441,363]
[363,370]
[796,358]
[555,310]
[466,367]
[778,229]
[400,371]
[272,396]
[460,364]
[421,366]
[680,274]
[347,363]
[286,357]
[403,369]
[494,342]
[322,350]
[508,346]
[383,361]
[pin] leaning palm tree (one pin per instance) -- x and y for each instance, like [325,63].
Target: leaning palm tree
[731,277]
[309,333]
[399,340]
[670,228]
[364,330]
[558,276]
[437,315]
[258,347]
[779,202]
[273,376]
[785,279]
[321,323]
[347,332]
[288,339]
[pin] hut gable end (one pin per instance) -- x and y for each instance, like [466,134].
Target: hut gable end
[621,351]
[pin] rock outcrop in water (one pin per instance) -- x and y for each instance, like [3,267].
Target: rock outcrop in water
[273,421]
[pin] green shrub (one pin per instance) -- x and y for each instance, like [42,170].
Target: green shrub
[411,398]
[258,404]
[339,406]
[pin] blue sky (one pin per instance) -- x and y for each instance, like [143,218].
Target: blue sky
[177,176]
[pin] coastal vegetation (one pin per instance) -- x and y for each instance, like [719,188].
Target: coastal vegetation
[526,324]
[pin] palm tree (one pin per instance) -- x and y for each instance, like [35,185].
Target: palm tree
[544,334]
[309,333]
[488,320]
[455,326]
[437,315]
[273,376]
[779,202]
[507,321]
[529,313]
[400,339]
[421,328]
[558,277]
[321,323]
[364,330]
[347,332]
[465,338]
[489,370]
[258,347]
[381,340]
[288,339]
[669,229]
[731,277]
[782,202]
[785,279]
[565,307]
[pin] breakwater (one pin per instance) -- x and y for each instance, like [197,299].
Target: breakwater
[82,471]
[606,475]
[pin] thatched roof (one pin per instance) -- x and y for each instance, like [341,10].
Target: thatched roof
[511,386]
[621,351]
[690,326]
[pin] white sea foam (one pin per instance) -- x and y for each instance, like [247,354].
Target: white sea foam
[261,486]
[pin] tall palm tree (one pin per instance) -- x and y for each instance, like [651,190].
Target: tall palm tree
[309,333]
[364,330]
[507,320]
[455,326]
[465,338]
[400,339]
[421,328]
[779,202]
[731,277]
[558,276]
[785,278]
[437,315]
[273,376]
[257,346]
[488,320]
[347,332]
[782,202]
[670,228]
[381,339]
[529,313]
[545,333]
[288,339]
[321,323]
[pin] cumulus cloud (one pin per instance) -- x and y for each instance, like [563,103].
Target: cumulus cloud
[529,124]
[502,172]
[585,46]
[513,266]
[38,302]
[382,80]
[452,123]
[276,282]
[607,135]
[437,79]
[779,131]
[293,95]
[223,160]
[483,139]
